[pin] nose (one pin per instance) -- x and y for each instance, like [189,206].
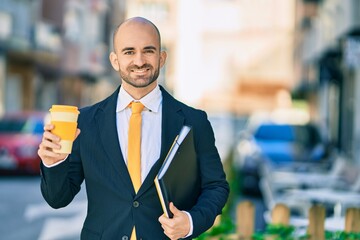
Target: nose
[139,59]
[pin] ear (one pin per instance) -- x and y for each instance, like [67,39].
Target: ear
[114,61]
[163,56]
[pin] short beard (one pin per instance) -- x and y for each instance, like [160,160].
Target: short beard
[129,80]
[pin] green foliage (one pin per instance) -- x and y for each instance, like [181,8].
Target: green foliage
[226,226]
[281,232]
[341,235]
[286,233]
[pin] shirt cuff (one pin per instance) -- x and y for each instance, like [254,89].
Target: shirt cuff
[55,164]
[191,225]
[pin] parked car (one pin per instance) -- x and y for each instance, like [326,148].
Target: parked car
[20,136]
[279,144]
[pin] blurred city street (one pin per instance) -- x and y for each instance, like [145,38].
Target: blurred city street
[278,79]
[25,215]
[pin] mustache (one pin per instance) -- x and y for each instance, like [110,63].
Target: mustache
[135,67]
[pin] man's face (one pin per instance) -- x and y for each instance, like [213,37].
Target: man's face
[138,58]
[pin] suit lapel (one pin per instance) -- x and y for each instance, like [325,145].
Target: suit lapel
[172,121]
[106,123]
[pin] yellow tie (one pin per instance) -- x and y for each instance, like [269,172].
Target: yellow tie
[134,142]
[134,149]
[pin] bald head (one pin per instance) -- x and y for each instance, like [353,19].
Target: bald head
[137,55]
[136,21]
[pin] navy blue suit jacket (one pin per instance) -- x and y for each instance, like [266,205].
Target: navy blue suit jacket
[113,206]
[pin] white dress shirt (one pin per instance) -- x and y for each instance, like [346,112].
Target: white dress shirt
[150,127]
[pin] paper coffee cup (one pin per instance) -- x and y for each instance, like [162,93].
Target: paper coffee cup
[64,118]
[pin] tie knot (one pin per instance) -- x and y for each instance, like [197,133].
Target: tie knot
[136,107]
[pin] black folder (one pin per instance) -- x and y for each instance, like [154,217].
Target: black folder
[178,180]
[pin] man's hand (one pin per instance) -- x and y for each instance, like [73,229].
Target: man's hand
[50,142]
[176,227]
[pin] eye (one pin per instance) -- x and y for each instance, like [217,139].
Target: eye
[149,51]
[128,52]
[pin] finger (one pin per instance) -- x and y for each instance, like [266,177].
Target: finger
[161,218]
[169,232]
[166,223]
[173,209]
[78,131]
[47,156]
[172,234]
[50,157]
[50,136]
[45,153]
[46,144]
[48,127]
[49,145]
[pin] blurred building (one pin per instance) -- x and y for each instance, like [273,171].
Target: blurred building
[229,55]
[235,53]
[55,52]
[247,51]
[327,65]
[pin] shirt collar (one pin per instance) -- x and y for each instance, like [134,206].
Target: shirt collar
[151,101]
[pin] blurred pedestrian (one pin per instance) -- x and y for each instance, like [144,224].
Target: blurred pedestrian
[118,206]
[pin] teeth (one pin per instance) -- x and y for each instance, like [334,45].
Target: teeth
[140,70]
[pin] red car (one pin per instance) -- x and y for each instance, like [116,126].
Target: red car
[20,136]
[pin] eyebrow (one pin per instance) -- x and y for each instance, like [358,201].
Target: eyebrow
[145,48]
[127,49]
[150,48]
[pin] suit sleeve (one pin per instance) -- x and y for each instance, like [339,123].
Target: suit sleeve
[214,187]
[60,184]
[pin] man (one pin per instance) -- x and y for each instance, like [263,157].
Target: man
[117,209]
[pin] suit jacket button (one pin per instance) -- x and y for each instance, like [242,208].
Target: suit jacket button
[125,238]
[136,204]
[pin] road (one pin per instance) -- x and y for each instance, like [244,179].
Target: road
[24,215]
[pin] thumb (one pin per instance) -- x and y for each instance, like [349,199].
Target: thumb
[173,209]
[77,133]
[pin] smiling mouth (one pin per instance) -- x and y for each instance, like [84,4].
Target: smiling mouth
[142,70]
